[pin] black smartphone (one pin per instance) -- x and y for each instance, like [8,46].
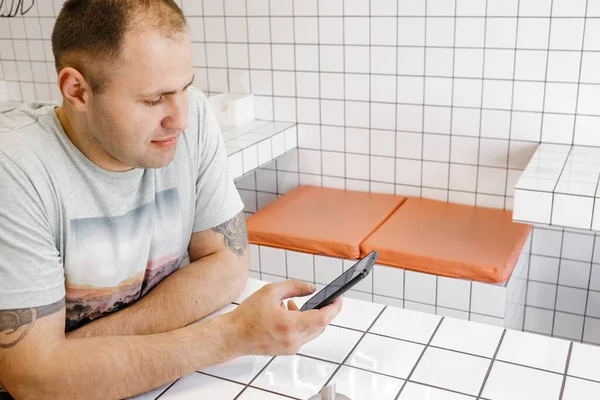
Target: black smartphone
[345,281]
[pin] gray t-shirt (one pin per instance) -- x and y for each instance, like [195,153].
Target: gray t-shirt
[101,239]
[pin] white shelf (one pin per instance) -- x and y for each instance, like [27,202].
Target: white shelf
[560,187]
[252,145]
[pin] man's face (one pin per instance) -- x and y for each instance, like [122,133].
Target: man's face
[137,120]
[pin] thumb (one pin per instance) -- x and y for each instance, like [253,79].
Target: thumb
[290,288]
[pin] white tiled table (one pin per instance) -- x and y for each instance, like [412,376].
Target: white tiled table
[375,352]
[560,187]
[257,143]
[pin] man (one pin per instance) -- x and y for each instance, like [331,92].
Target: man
[101,199]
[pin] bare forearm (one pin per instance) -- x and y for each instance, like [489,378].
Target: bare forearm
[185,296]
[120,367]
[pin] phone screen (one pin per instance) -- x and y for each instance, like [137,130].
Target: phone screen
[338,283]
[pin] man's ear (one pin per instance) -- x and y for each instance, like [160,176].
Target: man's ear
[74,88]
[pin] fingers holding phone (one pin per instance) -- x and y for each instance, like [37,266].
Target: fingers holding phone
[321,317]
[267,327]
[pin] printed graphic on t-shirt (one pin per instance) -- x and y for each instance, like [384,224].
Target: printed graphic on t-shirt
[116,260]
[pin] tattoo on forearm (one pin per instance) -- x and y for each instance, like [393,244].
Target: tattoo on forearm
[235,234]
[16,324]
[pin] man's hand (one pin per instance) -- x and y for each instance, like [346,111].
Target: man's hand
[267,328]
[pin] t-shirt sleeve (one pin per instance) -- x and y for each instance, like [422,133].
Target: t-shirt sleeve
[217,199]
[31,271]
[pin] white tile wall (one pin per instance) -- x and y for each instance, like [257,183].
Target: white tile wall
[293,50]
[562,285]
[475,301]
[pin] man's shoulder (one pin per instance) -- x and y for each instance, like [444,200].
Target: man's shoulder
[195,96]
[26,135]
[25,115]
[196,103]
[197,109]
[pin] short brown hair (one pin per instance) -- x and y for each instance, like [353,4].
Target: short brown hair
[88,34]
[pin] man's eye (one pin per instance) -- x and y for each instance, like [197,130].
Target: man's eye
[155,102]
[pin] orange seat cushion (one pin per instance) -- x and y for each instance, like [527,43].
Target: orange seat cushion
[481,244]
[323,221]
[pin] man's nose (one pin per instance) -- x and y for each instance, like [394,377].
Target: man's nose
[177,114]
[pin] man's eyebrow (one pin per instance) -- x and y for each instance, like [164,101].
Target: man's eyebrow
[161,93]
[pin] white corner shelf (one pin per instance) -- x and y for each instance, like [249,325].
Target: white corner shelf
[257,143]
[559,187]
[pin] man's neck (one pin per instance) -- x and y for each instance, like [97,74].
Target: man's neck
[86,145]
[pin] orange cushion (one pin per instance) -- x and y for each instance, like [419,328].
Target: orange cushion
[481,244]
[319,220]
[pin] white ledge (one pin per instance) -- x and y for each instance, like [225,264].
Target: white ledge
[252,145]
[559,187]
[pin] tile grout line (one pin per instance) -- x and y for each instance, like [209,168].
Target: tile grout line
[427,345]
[585,18]
[223,379]
[562,244]
[538,49]
[564,381]
[37,85]
[597,17]
[272,392]
[227,44]
[364,333]
[369,124]
[588,291]
[527,279]
[396,86]
[320,99]
[462,107]
[564,312]
[594,204]
[468,78]
[450,130]
[247,18]
[557,181]
[205,43]
[512,96]
[255,376]
[470,299]
[15,52]
[422,130]
[270,138]
[545,81]
[403,288]
[168,387]
[408,16]
[344,128]
[491,365]
[485,19]
[435,300]
[294,16]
